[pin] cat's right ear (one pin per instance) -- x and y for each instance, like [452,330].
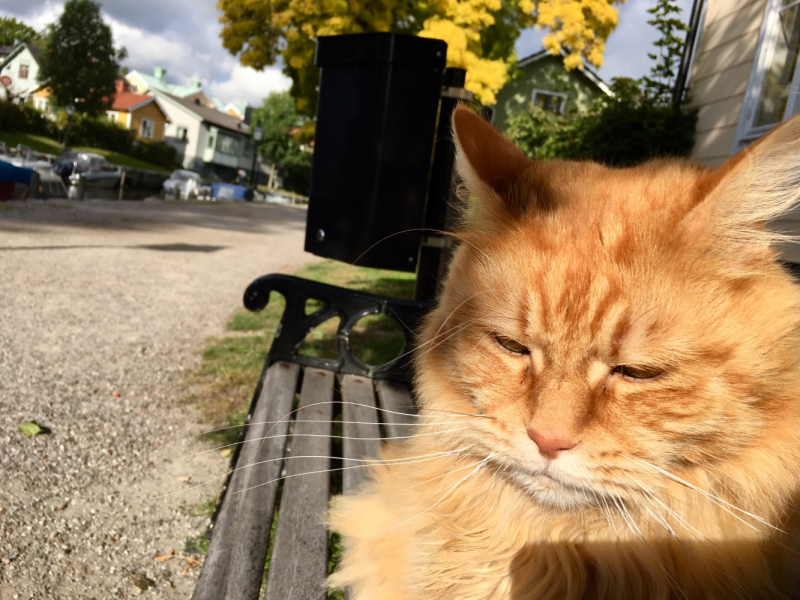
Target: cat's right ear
[493,168]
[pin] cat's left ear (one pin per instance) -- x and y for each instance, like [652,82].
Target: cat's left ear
[751,189]
[492,167]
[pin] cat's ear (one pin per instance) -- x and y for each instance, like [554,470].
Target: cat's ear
[737,202]
[492,168]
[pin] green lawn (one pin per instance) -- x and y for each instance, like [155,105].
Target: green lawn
[41,143]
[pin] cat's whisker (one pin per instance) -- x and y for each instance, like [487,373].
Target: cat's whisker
[324,435]
[343,422]
[438,477]
[370,464]
[432,340]
[658,517]
[715,499]
[458,329]
[463,302]
[447,493]
[261,462]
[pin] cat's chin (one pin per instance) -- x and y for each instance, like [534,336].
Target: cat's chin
[554,493]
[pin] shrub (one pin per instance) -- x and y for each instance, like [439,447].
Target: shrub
[624,130]
[24,118]
[100,133]
[157,153]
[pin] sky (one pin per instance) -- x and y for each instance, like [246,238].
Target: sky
[183,37]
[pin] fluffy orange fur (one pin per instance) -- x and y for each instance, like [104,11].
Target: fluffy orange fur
[640,317]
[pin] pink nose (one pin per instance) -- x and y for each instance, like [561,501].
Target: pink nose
[551,443]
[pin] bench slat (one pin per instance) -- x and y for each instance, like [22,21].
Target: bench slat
[300,555]
[361,431]
[396,397]
[234,566]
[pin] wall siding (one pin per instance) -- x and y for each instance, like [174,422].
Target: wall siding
[721,72]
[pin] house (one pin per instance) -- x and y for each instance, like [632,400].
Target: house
[141,83]
[206,139]
[743,78]
[143,113]
[543,80]
[19,69]
[743,75]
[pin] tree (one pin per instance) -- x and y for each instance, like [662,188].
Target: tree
[283,130]
[670,50]
[13,31]
[480,33]
[80,63]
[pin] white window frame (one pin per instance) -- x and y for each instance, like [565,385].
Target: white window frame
[185,131]
[152,128]
[561,95]
[27,71]
[113,116]
[746,133]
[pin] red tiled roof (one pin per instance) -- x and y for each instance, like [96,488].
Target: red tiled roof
[125,100]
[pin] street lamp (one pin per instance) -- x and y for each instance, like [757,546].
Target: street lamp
[258,135]
[70,109]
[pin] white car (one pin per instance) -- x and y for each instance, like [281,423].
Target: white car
[186,185]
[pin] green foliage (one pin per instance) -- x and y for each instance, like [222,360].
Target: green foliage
[13,31]
[283,129]
[670,49]
[624,130]
[102,133]
[80,63]
[24,118]
[156,152]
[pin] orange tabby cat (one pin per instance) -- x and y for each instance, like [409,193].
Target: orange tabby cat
[613,374]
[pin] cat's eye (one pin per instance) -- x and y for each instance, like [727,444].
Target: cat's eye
[510,345]
[633,372]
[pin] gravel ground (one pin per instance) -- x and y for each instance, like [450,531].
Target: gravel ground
[103,306]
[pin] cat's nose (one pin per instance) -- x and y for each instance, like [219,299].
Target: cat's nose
[550,443]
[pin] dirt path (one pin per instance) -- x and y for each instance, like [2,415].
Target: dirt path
[103,305]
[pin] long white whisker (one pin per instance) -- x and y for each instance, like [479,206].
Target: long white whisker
[339,437]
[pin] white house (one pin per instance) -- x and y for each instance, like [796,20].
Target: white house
[19,70]
[206,139]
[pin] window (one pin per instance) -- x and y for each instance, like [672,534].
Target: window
[248,149]
[134,89]
[183,134]
[227,144]
[770,98]
[147,128]
[550,101]
[112,116]
[211,141]
[23,71]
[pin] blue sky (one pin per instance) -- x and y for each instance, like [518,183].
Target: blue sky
[183,37]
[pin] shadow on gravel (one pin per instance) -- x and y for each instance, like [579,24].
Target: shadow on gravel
[156,247]
[152,216]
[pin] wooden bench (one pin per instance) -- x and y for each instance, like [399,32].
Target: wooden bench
[267,482]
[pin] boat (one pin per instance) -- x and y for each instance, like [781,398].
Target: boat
[93,169]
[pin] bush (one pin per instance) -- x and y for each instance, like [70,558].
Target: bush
[157,153]
[100,133]
[621,131]
[295,173]
[24,118]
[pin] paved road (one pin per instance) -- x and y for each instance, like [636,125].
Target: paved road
[103,306]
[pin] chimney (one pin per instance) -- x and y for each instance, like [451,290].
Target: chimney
[196,84]
[160,73]
[121,85]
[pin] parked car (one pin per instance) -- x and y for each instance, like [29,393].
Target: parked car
[186,185]
[95,170]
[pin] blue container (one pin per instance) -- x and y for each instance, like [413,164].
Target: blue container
[228,191]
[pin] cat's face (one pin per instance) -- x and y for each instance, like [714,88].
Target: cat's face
[614,326]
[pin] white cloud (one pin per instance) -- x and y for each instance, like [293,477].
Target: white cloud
[248,84]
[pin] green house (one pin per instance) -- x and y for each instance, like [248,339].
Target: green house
[542,79]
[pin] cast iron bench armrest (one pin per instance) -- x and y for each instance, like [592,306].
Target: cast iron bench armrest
[234,565]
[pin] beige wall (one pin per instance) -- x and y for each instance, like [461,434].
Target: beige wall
[153,112]
[721,72]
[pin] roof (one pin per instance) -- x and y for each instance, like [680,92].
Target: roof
[590,75]
[210,115]
[18,49]
[130,101]
[156,83]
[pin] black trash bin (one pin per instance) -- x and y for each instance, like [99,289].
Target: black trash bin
[376,119]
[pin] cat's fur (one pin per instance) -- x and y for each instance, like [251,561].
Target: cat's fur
[663,267]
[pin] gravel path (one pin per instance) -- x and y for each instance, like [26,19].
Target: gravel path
[103,306]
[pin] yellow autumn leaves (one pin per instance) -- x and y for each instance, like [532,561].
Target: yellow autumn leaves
[259,30]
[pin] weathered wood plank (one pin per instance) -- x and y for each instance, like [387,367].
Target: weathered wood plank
[300,555]
[396,397]
[360,426]
[234,566]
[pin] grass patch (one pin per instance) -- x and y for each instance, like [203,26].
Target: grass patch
[40,143]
